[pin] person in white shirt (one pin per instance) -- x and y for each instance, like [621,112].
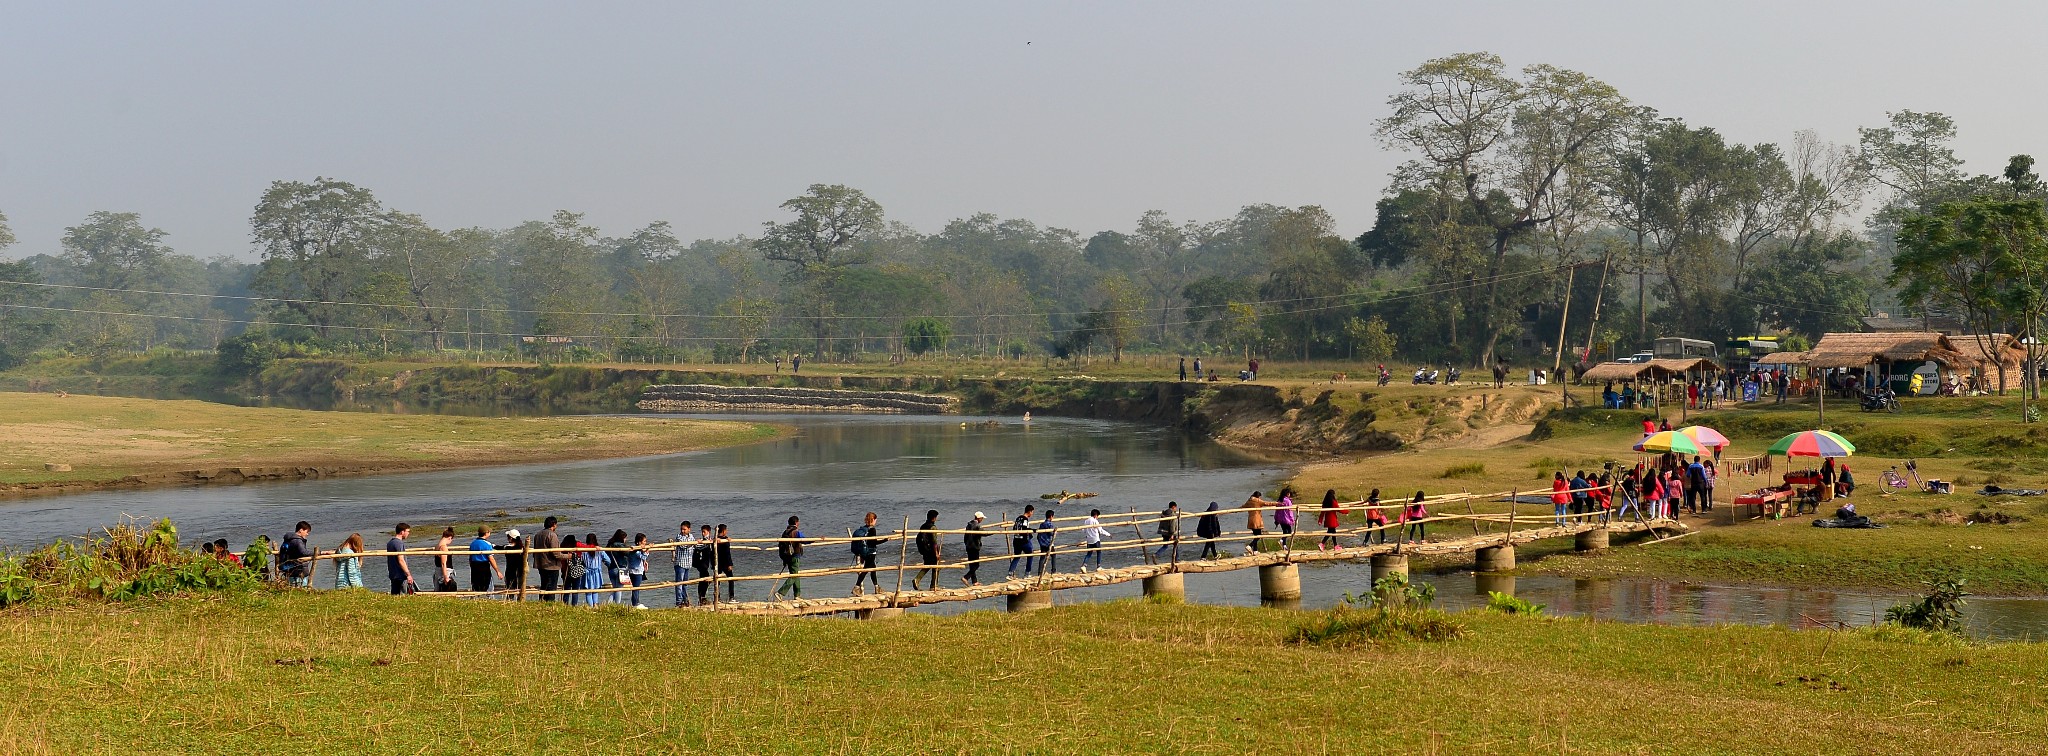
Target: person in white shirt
[1092,532]
[685,555]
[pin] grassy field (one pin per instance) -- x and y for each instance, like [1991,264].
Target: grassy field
[2000,544]
[107,439]
[364,673]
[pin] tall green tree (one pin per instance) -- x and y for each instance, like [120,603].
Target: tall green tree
[1983,257]
[316,240]
[1505,143]
[819,245]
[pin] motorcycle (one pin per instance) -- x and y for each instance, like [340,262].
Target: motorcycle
[1423,376]
[1385,377]
[1882,399]
[1452,379]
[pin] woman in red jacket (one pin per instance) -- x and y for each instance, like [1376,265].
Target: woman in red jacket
[1560,495]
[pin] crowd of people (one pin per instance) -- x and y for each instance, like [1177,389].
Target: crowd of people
[589,570]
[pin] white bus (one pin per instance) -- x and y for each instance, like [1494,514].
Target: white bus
[1675,348]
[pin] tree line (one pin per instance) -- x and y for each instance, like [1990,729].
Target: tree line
[1538,208]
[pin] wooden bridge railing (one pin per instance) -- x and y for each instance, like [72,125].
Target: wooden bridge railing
[1041,560]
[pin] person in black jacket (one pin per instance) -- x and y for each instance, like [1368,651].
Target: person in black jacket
[1020,541]
[972,542]
[701,559]
[928,550]
[791,550]
[724,566]
[1209,528]
[1169,530]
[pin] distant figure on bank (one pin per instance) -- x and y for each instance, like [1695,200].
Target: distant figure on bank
[1092,533]
[1183,369]
[348,571]
[444,571]
[1413,515]
[551,563]
[864,545]
[1198,368]
[293,556]
[778,363]
[972,543]
[685,556]
[796,364]
[1209,528]
[515,560]
[791,551]
[636,567]
[394,563]
[1253,370]
[482,563]
[1169,530]
[928,550]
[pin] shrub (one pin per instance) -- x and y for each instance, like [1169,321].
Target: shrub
[1348,626]
[1466,470]
[125,562]
[1509,604]
[1941,610]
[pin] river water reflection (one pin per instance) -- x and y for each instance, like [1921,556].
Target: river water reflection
[836,467]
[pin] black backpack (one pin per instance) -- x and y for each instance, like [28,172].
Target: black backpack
[789,549]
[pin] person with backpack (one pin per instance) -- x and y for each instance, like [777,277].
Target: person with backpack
[1375,519]
[1209,528]
[971,543]
[1582,494]
[928,550]
[482,563]
[444,565]
[636,567]
[685,554]
[1092,534]
[864,545]
[791,550]
[1020,543]
[1169,530]
[294,558]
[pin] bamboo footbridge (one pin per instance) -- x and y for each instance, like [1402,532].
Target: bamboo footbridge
[1164,559]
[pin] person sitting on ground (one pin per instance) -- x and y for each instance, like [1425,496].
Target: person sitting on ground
[1209,528]
[294,559]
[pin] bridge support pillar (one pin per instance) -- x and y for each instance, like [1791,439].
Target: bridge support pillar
[1166,584]
[1495,559]
[882,612]
[1279,582]
[1591,540]
[1030,601]
[1388,564]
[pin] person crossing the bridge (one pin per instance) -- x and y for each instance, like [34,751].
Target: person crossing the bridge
[928,550]
[864,545]
[1209,528]
[722,556]
[971,542]
[706,555]
[790,548]
[1375,519]
[1169,530]
[1046,531]
[1330,521]
[1560,495]
[1020,542]
[1092,532]
[1255,519]
[685,560]
[1413,515]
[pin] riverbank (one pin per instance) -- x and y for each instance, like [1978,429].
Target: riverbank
[62,444]
[345,671]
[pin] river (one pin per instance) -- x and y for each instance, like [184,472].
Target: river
[836,467]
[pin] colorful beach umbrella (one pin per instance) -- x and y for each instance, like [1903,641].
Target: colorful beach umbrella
[1668,441]
[1813,443]
[1705,436]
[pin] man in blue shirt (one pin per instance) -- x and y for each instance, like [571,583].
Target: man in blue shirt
[401,573]
[482,564]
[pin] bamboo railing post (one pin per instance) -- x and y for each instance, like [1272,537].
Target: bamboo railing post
[902,558]
[1469,512]
[1144,554]
[525,558]
[1176,541]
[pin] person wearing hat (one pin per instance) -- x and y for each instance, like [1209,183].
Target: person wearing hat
[972,542]
[515,560]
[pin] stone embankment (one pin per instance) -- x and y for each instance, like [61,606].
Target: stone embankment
[697,396]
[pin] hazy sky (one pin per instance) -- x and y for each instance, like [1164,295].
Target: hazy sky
[1081,115]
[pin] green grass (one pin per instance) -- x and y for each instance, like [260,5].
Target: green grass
[107,438]
[373,674]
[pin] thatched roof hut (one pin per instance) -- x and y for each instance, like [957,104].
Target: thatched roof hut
[1855,350]
[2007,364]
[1783,358]
[1617,371]
[1684,365]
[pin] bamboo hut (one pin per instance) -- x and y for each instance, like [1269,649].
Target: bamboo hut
[2002,359]
[1888,353]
